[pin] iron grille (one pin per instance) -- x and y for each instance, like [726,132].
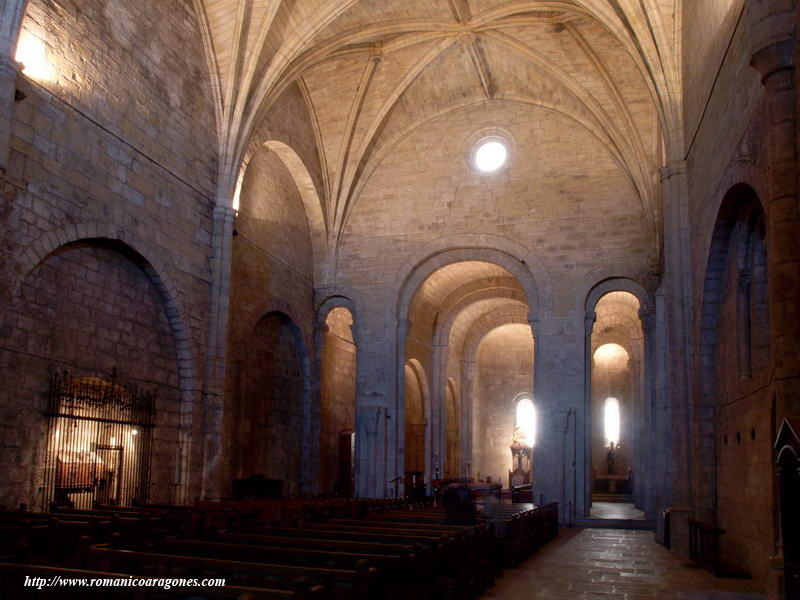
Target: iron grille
[100,434]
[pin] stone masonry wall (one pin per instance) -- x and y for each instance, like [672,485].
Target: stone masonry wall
[87,310]
[117,143]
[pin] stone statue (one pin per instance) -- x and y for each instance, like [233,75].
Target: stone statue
[611,459]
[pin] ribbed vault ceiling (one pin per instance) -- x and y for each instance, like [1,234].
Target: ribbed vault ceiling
[372,71]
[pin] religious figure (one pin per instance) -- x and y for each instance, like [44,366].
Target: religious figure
[611,459]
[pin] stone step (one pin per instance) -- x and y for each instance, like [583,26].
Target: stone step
[612,498]
[615,524]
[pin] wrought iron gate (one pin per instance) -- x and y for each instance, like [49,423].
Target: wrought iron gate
[99,442]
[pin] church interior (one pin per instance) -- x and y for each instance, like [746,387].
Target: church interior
[270,261]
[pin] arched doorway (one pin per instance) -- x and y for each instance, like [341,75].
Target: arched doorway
[272,404]
[732,425]
[337,403]
[452,425]
[98,314]
[460,317]
[617,445]
[416,429]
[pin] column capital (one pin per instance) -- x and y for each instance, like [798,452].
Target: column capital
[9,68]
[403,325]
[672,168]
[772,59]
[225,213]
[588,321]
[647,317]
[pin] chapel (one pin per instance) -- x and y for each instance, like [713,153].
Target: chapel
[354,251]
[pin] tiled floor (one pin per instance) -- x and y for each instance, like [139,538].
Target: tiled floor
[605,564]
[616,510]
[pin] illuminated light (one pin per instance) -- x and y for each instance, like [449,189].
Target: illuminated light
[134,432]
[238,191]
[526,421]
[490,156]
[32,53]
[611,421]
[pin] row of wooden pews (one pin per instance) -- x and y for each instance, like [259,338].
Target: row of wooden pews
[338,549]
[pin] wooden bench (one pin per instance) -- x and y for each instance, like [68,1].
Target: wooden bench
[393,576]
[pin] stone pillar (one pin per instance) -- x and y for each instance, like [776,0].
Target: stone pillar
[380,388]
[558,384]
[677,286]
[773,35]
[9,70]
[11,13]
[371,437]
[468,461]
[438,398]
[221,245]
[649,440]
[585,425]
[662,411]
[774,63]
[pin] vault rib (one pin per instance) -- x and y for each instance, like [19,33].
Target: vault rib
[355,170]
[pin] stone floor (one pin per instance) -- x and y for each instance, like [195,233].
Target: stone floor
[605,564]
[616,510]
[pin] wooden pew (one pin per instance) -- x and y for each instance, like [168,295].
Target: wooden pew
[392,575]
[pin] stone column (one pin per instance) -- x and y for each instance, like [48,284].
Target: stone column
[677,286]
[467,418]
[9,70]
[774,48]
[380,388]
[558,395]
[774,63]
[214,396]
[438,410]
[649,440]
[585,427]
[11,13]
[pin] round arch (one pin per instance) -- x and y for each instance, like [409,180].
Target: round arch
[513,257]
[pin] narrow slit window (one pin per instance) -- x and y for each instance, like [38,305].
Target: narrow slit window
[611,421]
[526,421]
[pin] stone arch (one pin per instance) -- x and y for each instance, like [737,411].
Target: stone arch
[417,434]
[336,301]
[161,275]
[485,326]
[335,385]
[452,310]
[129,249]
[515,258]
[277,341]
[733,363]
[596,285]
[308,193]
[453,429]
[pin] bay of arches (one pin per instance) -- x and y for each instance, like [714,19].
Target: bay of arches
[468,353]
[272,401]
[98,311]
